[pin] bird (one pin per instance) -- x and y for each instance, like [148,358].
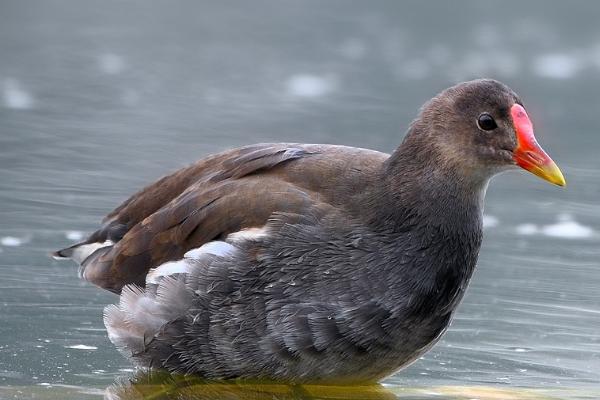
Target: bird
[310,262]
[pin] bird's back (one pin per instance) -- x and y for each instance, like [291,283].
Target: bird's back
[225,193]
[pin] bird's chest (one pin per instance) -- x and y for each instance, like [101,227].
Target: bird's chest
[430,277]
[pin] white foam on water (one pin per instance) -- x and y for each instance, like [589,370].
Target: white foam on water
[111,64]
[74,235]
[566,227]
[81,347]
[15,97]
[520,350]
[489,221]
[309,86]
[11,241]
[557,66]
[527,229]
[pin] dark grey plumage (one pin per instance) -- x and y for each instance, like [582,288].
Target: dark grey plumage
[354,265]
[356,309]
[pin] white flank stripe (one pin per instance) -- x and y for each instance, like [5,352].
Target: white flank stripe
[216,247]
[166,269]
[247,234]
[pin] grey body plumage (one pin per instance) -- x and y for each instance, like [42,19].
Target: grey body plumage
[321,296]
[305,263]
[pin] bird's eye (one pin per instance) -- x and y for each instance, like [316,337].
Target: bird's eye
[486,122]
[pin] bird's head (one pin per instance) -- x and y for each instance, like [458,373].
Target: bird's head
[481,128]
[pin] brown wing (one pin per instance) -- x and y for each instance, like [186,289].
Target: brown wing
[216,196]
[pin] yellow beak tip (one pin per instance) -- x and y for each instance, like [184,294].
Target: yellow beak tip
[553,175]
[549,172]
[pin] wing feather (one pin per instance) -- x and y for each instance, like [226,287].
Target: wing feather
[217,196]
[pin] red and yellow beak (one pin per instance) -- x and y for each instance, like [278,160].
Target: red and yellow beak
[528,154]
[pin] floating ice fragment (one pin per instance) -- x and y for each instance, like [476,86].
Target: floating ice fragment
[556,66]
[111,64]
[489,221]
[566,227]
[11,241]
[81,347]
[527,229]
[309,86]
[15,97]
[74,235]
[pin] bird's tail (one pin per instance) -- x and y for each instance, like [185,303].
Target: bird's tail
[79,252]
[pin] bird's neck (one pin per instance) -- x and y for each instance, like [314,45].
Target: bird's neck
[432,219]
[416,183]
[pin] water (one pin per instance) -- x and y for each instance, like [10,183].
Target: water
[100,98]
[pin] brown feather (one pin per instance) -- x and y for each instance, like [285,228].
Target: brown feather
[222,194]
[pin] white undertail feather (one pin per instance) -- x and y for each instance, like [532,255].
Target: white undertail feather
[141,313]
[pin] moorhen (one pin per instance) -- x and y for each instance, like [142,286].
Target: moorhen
[306,262]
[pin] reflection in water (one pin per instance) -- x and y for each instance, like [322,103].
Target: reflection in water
[156,385]
[163,386]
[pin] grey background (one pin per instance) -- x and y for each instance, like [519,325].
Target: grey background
[98,98]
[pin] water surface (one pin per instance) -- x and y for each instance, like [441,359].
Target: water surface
[100,98]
